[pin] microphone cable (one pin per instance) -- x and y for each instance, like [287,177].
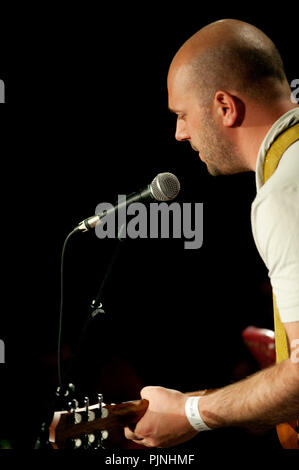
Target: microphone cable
[59,358]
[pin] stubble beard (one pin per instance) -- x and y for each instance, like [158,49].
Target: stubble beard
[220,155]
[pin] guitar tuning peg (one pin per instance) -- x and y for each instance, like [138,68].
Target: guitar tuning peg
[102,412]
[86,404]
[77,443]
[104,436]
[89,415]
[101,436]
[64,393]
[71,388]
[100,403]
[73,405]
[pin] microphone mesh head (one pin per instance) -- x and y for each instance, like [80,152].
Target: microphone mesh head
[165,187]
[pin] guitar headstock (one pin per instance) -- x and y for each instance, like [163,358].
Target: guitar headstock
[93,427]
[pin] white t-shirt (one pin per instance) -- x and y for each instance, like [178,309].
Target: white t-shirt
[275,220]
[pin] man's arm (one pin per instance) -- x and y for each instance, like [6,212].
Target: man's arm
[260,401]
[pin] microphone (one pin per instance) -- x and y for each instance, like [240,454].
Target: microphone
[164,187]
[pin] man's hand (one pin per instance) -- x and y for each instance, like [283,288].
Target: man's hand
[164,423]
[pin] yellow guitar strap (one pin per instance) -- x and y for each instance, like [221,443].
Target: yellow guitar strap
[272,159]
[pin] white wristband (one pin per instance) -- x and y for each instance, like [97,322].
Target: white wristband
[193,415]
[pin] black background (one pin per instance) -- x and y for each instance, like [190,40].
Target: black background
[86,119]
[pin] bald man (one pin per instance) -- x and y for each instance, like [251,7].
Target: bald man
[228,87]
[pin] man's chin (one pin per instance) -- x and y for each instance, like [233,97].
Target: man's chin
[216,172]
[212,170]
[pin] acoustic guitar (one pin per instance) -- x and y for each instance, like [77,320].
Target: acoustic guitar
[101,425]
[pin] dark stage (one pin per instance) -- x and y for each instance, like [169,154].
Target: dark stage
[86,119]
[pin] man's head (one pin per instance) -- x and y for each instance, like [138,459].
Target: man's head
[222,75]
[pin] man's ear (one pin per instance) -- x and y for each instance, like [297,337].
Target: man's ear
[228,108]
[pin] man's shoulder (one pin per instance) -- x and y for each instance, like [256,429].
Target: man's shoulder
[283,186]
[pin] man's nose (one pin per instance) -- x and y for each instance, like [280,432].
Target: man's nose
[181,132]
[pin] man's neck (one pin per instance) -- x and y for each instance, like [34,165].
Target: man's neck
[256,127]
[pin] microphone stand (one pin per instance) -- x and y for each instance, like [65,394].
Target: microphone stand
[65,393]
[96,308]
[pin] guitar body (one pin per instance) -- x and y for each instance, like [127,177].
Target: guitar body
[261,343]
[288,435]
